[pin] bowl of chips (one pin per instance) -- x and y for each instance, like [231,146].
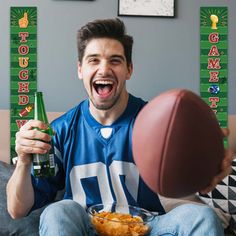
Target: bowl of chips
[120,220]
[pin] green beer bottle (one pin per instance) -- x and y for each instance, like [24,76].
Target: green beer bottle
[43,164]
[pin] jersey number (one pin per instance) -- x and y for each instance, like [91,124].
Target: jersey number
[99,170]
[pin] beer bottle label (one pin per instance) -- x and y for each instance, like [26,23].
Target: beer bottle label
[36,167]
[51,160]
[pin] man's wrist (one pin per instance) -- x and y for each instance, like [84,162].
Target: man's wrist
[24,161]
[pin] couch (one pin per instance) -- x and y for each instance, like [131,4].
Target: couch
[29,224]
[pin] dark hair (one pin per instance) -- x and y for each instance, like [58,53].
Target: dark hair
[106,28]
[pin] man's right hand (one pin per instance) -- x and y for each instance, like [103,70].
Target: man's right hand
[30,140]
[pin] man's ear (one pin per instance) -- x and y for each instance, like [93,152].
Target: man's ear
[80,70]
[130,71]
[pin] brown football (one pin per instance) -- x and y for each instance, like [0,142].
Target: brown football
[177,143]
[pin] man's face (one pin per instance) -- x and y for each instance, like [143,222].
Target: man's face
[104,72]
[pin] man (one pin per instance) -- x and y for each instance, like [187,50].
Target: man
[93,149]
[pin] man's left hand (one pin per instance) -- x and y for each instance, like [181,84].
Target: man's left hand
[226,167]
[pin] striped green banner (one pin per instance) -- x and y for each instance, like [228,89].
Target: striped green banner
[23,68]
[214,61]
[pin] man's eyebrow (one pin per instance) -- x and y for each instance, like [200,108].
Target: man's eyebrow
[112,56]
[119,56]
[91,55]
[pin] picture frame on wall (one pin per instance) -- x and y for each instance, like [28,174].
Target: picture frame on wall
[159,8]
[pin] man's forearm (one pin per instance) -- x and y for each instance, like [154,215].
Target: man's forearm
[20,194]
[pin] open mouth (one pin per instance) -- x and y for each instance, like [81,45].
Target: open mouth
[103,87]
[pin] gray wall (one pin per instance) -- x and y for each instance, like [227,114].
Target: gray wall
[166,50]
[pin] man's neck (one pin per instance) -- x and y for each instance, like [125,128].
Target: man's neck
[107,117]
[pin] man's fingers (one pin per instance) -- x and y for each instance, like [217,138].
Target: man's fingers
[216,180]
[30,150]
[33,135]
[229,157]
[225,132]
[33,144]
[31,124]
[28,146]
[226,169]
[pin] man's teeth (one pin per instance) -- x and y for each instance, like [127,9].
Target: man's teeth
[103,82]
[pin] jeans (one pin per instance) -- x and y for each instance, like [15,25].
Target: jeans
[68,218]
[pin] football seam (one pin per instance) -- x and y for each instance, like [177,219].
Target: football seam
[168,133]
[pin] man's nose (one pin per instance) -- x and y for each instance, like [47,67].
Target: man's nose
[104,68]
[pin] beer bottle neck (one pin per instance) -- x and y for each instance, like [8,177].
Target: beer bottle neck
[39,108]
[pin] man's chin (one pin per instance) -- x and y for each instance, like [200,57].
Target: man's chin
[104,104]
[103,107]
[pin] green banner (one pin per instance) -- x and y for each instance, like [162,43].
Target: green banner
[23,68]
[214,61]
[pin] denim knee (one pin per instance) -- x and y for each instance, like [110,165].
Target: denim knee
[202,216]
[208,215]
[65,217]
[197,212]
[188,219]
[55,210]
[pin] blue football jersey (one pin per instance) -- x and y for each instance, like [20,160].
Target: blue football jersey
[95,162]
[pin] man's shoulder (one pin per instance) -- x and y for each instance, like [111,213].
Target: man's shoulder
[137,102]
[137,99]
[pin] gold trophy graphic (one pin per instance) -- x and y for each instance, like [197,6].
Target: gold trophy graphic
[23,22]
[214,20]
